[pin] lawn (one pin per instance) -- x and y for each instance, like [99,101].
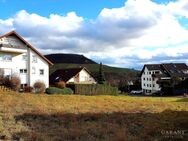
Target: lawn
[32,117]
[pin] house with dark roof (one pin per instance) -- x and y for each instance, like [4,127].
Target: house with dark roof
[18,57]
[152,73]
[72,76]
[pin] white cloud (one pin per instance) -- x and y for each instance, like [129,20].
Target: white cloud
[137,33]
[179,7]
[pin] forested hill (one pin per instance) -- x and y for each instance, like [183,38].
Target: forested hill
[69,59]
[114,75]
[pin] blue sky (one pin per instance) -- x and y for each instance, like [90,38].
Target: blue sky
[117,32]
[85,8]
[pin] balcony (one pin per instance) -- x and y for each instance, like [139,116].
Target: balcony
[12,48]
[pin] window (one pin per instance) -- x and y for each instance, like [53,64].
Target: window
[41,72]
[6,57]
[153,79]
[150,85]
[157,72]
[144,84]
[143,78]
[24,57]
[34,60]
[153,85]
[149,72]
[149,79]
[23,71]
[23,85]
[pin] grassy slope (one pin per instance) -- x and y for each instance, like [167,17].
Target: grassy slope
[89,118]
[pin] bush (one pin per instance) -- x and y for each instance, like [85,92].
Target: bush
[13,82]
[1,76]
[39,87]
[95,89]
[28,89]
[54,90]
[61,84]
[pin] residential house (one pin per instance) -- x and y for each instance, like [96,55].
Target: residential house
[152,73]
[18,57]
[72,76]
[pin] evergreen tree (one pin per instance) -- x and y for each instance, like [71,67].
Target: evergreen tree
[101,78]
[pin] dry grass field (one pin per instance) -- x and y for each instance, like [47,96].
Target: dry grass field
[29,117]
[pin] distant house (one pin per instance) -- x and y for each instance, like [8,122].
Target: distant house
[152,73]
[72,76]
[18,57]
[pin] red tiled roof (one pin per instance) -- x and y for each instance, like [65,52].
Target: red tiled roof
[28,45]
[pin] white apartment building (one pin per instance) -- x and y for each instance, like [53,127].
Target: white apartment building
[151,73]
[18,57]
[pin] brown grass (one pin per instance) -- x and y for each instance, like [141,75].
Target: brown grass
[92,118]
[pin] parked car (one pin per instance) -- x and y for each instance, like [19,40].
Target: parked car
[158,93]
[135,92]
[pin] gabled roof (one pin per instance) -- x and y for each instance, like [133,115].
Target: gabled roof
[28,45]
[168,69]
[66,74]
[176,69]
[151,67]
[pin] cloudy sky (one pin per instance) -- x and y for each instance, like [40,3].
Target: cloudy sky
[116,32]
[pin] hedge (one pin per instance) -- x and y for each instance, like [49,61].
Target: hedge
[95,89]
[54,90]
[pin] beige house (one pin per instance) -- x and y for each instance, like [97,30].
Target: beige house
[72,76]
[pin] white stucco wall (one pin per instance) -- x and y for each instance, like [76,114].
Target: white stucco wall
[18,63]
[148,82]
[84,77]
[40,64]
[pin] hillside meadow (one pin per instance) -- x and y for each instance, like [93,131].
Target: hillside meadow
[31,117]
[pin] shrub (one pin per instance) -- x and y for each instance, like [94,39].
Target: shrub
[1,76]
[61,84]
[28,89]
[54,90]
[95,89]
[39,87]
[13,82]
